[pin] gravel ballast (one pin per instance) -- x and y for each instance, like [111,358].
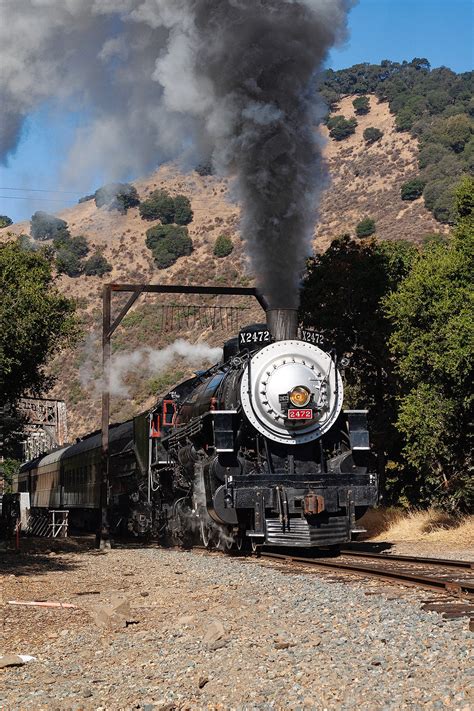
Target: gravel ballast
[165,629]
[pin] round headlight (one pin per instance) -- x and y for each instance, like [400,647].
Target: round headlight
[300,396]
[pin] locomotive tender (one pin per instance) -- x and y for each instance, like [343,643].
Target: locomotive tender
[256,450]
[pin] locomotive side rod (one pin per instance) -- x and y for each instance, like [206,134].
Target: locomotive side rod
[108,328]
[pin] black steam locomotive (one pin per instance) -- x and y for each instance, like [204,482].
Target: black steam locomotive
[254,451]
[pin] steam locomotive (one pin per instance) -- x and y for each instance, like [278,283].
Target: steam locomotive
[253,451]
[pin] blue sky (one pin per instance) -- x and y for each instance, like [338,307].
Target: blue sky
[440,30]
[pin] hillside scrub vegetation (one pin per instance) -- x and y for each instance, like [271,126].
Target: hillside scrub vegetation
[403,317]
[361,105]
[45,226]
[162,206]
[70,253]
[412,189]
[97,265]
[183,214]
[5,221]
[365,227]
[223,246]
[67,262]
[434,105]
[340,127]
[372,134]
[167,243]
[117,196]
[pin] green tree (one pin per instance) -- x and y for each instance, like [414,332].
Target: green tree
[168,243]
[183,213]
[67,262]
[86,198]
[365,227]
[24,242]
[342,297]
[9,468]
[412,189]
[340,127]
[97,265]
[361,105]
[117,196]
[79,246]
[371,134]
[432,340]
[5,221]
[453,132]
[223,246]
[35,321]
[159,206]
[439,198]
[45,226]
[62,238]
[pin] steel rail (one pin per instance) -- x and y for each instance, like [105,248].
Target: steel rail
[415,579]
[468,564]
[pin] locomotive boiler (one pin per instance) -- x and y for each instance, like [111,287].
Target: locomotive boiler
[256,450]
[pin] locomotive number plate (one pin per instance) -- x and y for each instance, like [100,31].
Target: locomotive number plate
[252,337]
[294,414]
[308,336]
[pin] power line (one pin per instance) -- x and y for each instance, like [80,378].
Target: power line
[43,190]
[35,199]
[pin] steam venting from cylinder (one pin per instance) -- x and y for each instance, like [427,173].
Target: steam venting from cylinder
[232,81]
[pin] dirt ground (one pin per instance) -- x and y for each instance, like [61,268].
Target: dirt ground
[165,629]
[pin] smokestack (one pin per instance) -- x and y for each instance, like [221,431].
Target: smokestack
[283,323]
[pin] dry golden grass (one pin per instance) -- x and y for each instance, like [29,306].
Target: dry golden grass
[431,526]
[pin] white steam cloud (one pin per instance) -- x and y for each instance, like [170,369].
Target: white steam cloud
[147,362]
[231,80]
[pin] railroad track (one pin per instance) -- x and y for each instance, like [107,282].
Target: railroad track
[450,576]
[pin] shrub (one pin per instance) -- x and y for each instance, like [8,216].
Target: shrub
[97,265]
[183,213]
[79,246]
[371,134]
[168,243]
[45,226]
[340,127]
[62,238]
[159,206]
[25,243]
[431,153]
[412,189]
[86,198]
[439,199]
[117,196]
[204,169]
[223,246]
[453,132]
[361,105]
[5,221]
[366,227]
[68,263]
[163,257]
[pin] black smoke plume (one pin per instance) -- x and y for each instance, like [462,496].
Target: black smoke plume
[192,79]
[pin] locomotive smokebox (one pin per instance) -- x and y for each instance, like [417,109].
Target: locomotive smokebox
[283,324]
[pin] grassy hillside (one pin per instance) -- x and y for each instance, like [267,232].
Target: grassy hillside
[366,181]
